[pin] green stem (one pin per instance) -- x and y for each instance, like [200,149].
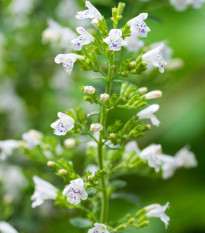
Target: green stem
[104,199]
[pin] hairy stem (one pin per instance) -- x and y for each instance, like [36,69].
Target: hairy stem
[104,199]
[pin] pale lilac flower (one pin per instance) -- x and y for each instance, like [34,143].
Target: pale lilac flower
[75,191]
[84,38]
[133,42]
[169,165]
[7,147]
[99,228]
[96,127]
[197,3]
[131,147]
[158,211]
[32,138]
[68,60]
[93,168]
[180,5]
[148,113]
[43,191]
[154,58]
[114,40]
[57,33]
[91,13]
[5,227]
[187,157]
[63,125]
[151,154]
[138,26]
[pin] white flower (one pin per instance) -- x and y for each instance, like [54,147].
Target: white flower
[104,97]
[89,90]
[75,191]
[148,113]
[43,191]
[180,5]
[69,143]
[7,228]
[64,124]
[133,42]
[84,38]
[153,95]
[158,211]
[138,26]
[68,60]
[114,40]
[99,228]
[186,157]
[57,33]
[96,127]
[142,90]
[7,147]
[91,13]
[197,3]
[154,58]
[151,154]
[92,168]
[169,165]
[131,147]
[32,139]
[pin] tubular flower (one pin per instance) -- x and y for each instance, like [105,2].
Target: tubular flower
[64,124]
[68,60]
[32,139]
[84,38]
[99,228]
[186,157]
[114,40]
[138,26]
[133,42]
[75,191]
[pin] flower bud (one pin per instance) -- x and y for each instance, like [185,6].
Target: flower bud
[63,172]
[104,97]
[148,126]
[132,64]
[90,178]
[142,90]
[95,21]
[89,90]
[96,127]
[69,143]
[112,135]
[144,63]
[50,164]
[153,95]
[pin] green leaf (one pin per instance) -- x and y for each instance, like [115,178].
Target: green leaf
[91,192]
[93,113]
[81,222]
[118,184]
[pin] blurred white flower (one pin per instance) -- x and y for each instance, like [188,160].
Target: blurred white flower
[43,191]
[96,127]
[197,3]
[154,58]
[158,211]
[114,40]
[69,143]
[68,60]
[187,157]
[75,191]
[32,138]
[21,7]
[131,147]
[148,113]
[91,13]
[92,168]
[133,42]
[169,165]
[63,125]
[84,38]
[7,147]
[89,90]
[99,228]
[180,5]
[153,95]
[138,26]
[151,154]
[57,33]
[5,227]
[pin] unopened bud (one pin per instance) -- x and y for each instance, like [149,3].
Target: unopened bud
[145,223]
[69,143]
[175,64]
[96,127]
[95,21]
[121,227]
[153,94]
[113,67]
[90,178]
[123,99]
[144,63]
[104,97]
[132,64]
[112,135]
[131,220]
[148,126]
[142,90]
[50,164]
[63,172]
[89,90]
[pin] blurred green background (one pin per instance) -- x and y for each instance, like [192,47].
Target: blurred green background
[30,97]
